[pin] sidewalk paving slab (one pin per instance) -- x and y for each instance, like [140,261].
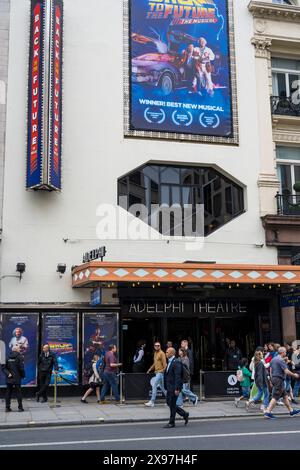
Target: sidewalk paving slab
[72,412]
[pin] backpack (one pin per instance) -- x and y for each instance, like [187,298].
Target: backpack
[100,366]
[239,375]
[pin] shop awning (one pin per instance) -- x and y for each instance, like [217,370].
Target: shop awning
[90,273]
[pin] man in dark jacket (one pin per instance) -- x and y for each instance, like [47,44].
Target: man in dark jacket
[173,384]
[46,362]
[14,371]
[233,355]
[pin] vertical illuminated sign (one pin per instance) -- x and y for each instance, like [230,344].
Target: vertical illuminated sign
[55,110]
[45,95]
[35,96]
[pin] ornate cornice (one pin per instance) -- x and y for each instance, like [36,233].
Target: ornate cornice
[262,46]
[273,11]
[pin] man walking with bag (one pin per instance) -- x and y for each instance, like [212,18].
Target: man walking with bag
[173,384]
[46,362]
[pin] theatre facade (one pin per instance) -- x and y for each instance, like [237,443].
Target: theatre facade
[135,181]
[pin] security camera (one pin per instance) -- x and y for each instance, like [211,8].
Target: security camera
[61,268]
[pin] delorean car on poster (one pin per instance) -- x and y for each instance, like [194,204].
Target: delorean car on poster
[180,67]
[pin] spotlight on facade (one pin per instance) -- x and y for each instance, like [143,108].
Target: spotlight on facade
[20,268]
[61,269]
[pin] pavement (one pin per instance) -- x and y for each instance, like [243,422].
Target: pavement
[71,412]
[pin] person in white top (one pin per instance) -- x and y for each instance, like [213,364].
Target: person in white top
[203,56]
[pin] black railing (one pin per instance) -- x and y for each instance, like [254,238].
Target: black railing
[285,106]
[288,204]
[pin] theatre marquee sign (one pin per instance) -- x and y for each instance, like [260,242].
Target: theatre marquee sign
[179,307]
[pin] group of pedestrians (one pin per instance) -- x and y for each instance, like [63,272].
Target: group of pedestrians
[269,378]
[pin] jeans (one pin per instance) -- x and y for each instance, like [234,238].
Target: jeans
[159,382]
[185,391]
[262,391]
[296,388]
[110,380]
[288,381]
[245,392]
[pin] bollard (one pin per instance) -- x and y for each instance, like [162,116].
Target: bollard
[202,397]
[55,405]
[121,388]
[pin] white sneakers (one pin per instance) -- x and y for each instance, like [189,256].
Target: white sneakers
[149,403]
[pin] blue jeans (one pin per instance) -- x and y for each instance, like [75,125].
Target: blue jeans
[185,391]
[110,380]
[296,388]
[159,382]
[262,391]
[288,381]
[245,392]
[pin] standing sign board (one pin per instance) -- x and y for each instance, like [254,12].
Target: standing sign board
[221,383]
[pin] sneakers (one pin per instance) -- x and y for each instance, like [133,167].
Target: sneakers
[280,402]
[104,402]
[149,403]
[269,416]
[295,401]
[196,401]
[294,412]
[262,408]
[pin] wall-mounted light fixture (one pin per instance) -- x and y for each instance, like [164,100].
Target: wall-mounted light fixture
[61,269]
[20,268]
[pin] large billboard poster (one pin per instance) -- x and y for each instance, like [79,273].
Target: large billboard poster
[60,331]
[21,329]
[180,67]
[99,331]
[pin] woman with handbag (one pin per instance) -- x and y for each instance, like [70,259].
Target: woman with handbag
[94,381]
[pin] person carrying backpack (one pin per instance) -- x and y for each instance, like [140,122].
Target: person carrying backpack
[243,376]
[186,376]
[94,381]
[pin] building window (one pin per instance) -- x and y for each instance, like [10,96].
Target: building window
[286,86]
[288,168]
[283,2]
[222,199]
[285,76]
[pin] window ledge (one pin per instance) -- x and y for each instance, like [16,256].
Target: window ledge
[280,119]
[274,11]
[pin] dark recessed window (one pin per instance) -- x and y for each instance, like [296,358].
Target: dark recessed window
[183,186]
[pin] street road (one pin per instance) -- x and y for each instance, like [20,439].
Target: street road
[249,433]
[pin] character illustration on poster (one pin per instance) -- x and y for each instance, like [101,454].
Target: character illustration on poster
[180,67]
[19,340]
[99,332]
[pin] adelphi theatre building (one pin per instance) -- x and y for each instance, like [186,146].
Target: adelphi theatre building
[135,182]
